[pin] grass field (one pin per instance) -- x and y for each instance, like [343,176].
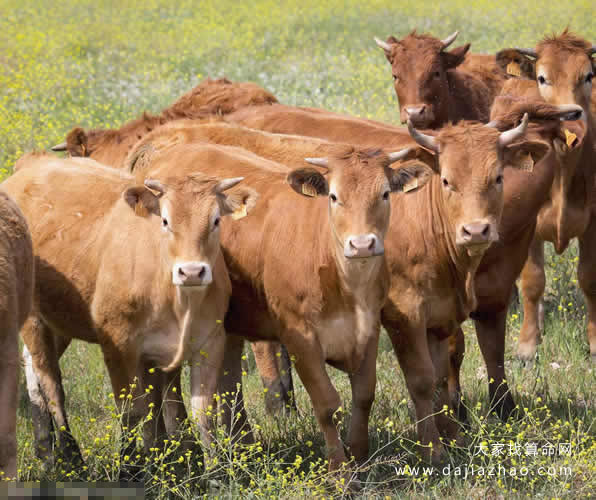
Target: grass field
[101,63]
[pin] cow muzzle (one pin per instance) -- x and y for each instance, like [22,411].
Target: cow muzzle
[362,246]
[421,115]
[475,237]
[191,274]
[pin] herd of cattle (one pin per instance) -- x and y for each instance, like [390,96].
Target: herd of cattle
[129,248]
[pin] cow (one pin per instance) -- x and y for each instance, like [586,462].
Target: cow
[432,85]
[503,261]
[563,68]
[135,268]
[16,296]
[308,268]
[208,100]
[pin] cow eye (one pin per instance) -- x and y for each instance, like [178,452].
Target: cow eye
[436,74]
[394,78]
[541,80]
[333,197]
[589,77]
[165,225]
[386,195]
[499,179]
[445,182]
[216,223]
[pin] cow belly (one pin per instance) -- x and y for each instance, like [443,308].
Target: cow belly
[159,345]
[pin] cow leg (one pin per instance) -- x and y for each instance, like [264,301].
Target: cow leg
[154,431]
[44,385]
[586,273]
[457,349]
[205,371]
[439,351]
[275,369]
[363,394]
[9,395]
[174,411]
[412,351]
[490,330]
[230,390]
[533,282]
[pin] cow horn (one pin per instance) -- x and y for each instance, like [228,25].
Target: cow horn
[225,184]
[155,186]
[319,162]
[527,52]
[449,40]
[426,141]
[509,136]
[398,155]
[59,147]
[592,50]
[570,112]
[384,45]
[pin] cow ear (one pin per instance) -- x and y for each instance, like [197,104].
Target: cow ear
[142,200]
[409,177]
[514,64]
[308,182]
[238,201]
[455,57]
[524,155]
[77,143]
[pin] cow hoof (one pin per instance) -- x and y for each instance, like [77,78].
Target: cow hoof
[526,352]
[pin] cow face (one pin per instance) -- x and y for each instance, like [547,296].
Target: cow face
[357,185]
[419,64]
[562,67]
[470,159]
[189,213]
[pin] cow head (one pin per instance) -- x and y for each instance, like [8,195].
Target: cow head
[419,64]
[188,214]
[470,159]
[358,185]
[563,67]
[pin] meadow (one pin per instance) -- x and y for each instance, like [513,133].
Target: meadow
[101,63]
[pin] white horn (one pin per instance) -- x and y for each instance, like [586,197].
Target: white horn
[592,50]
[449,40]
[225,184]
[509,136]
[426,141]
[398,155]
[384,45]
[155,186]
[319,162]
[527,52]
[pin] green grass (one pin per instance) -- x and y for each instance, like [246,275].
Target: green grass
[101,63]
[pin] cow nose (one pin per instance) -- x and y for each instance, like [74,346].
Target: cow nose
[415,112]
[363,245]
[191,274]
[475,233]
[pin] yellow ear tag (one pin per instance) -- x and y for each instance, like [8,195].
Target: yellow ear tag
[513,69]
[308,190]
[239,213]
[569,137]
[526,163]
[410,186]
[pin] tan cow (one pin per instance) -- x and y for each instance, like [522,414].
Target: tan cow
[308,268]
[433,86]
[210,99]
[16,294]
[563,67]
[135,268]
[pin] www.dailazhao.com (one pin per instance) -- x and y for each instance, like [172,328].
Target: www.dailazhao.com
[470,470]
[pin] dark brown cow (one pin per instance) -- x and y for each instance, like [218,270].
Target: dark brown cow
[433,86]
[563,67]
[135,268]
[16,296]
[504,260]
[211,98]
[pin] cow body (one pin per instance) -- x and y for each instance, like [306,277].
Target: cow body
[110,271]
[16,295]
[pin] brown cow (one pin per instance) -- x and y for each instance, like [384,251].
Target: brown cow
[563,67]
[309,270]
[504,260]
[211,98]
[16,294]
[135,268]
[432,85]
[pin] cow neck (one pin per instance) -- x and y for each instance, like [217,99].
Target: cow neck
[461,267]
